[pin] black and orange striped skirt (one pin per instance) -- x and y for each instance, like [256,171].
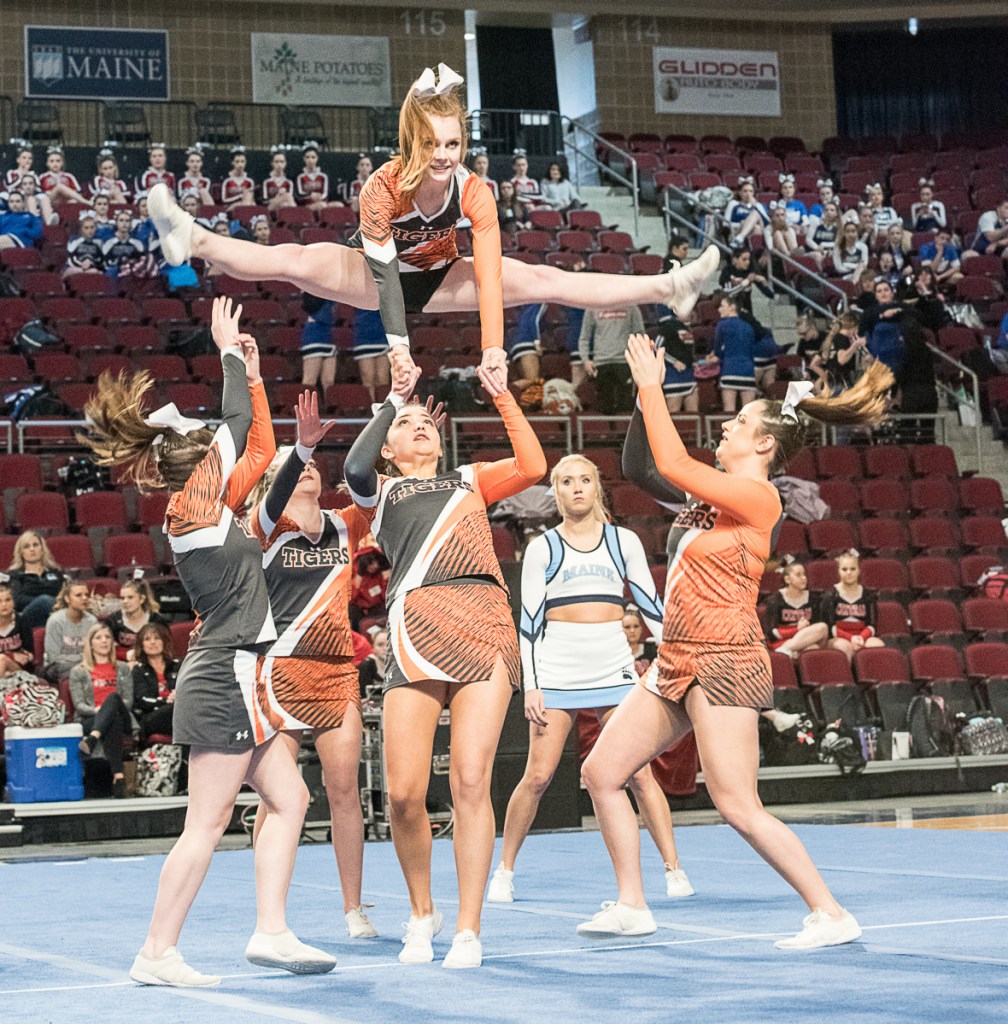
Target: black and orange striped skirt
[453,632]
[306,693]
[731,675]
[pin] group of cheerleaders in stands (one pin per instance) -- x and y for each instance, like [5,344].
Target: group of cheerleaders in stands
[271,655]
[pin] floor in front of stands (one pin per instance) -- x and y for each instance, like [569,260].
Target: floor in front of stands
[933,904]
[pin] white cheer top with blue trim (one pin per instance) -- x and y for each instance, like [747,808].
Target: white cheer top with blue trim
[555,574]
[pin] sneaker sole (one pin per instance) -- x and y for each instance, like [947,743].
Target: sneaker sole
[363,935]
[414,960]
[591,932]
[294,966]
[842,940]
[500,899]
[461,967]
[142,978]
[680,895]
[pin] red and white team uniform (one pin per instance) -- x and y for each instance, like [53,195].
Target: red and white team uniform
[273,187]
[102,187]
[48,180]
[309,186]
[232,188]
[150,178]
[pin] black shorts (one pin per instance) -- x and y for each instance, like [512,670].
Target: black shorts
[419,286]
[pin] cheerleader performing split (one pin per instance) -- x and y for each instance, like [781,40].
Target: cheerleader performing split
[575,654]
[405,258]
[308,680]
[712,673]
[451,637]
[210,474]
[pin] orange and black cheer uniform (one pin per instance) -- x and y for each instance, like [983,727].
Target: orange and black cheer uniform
[308,677]
[449,616]
[410,254]
[717,547]
[220,566]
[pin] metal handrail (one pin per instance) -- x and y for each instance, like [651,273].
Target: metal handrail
[456,421]
[517,122]
[8,427]
[975,381]
[677,419]
[597,141]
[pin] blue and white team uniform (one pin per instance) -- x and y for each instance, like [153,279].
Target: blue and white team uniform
[581,664]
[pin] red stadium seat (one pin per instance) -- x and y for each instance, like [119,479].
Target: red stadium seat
[883,537]
[822,574]
[138,338]
[933,460]
[54,367]
[937,535]
[880,666]
[841,461]
[546,220]
[891,624]
[630,500]
[971,568]
[935,495]
[503,543]
[985,661]
[842,497]
[129,551]
[585,220]
[114,310]
[981,494]
[608,263]
[984,533]
[151,509]
[884,575]
[180,633]
[21,472]
[822,668]
[42,510]
[933,576]
[160,311]
[196,397]
[533,240]
[791,539]
[75,395]
[936,663]
[782,669]
[14,369]
[937,621]
[86,337]
[986,617]
[616,241]
[831,536]
[295,216]
[348,399]
[575,240]
[166,369]
[101,509]
[802,465]
[72,551]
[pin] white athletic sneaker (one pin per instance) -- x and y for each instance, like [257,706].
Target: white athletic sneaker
[677,885]
[174,226]
[359,925]
[466,951]
[619,919]
[686,283]
[783,721]
[169,969]
[501,886]
[822,930]
[420,932]
[287,952]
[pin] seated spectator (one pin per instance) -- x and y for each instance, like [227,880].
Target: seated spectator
[836,363]
[238,189]
[927,214]
[194,180]
[886,270]
[35,579]
[349,191]
[107,181]
[19,229]
[371,671]
[792,619]
[849,609]
[526,189]
[370,584]
[57,182]
[679,386]
[942,258]
[259,225]
[744,213]
[676,254]
[17,645]
[992,234]
[318,352]
[511,214]
[601,345]
[277,188]
[738,277]
[66,629]
[189,201]
[882,215]
[481,168]
[370,351]
[124,255]
[850,254]
[883,327]
[865,298]
[780,236]
[36,201]
[810,337]
[863,218]
[157,172]
[137,607]
[102,692]
[557,191]
[22,164]
[311,187]
[154,673]
[924,300]
[895,242]
[143,227]
[104,225]
[84,250]
[916,388]
[797,214]
[824,186]
[644,650]
[822,232]
[735,349]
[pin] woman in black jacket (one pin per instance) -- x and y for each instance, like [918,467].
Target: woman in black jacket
[154,673]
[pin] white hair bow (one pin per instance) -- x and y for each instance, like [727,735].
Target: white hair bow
[447,80]
[822,182]
[170,418]
[925,181]
[797,392]
[785,177]
[746,180]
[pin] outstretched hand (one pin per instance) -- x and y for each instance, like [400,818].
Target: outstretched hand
[224,318]
[405,381]
[647,363]
[491,380]
[436,412]
[494,363]
[310,428]
[250,353]
[401,360]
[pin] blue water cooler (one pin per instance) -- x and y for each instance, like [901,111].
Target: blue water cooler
[44,765]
